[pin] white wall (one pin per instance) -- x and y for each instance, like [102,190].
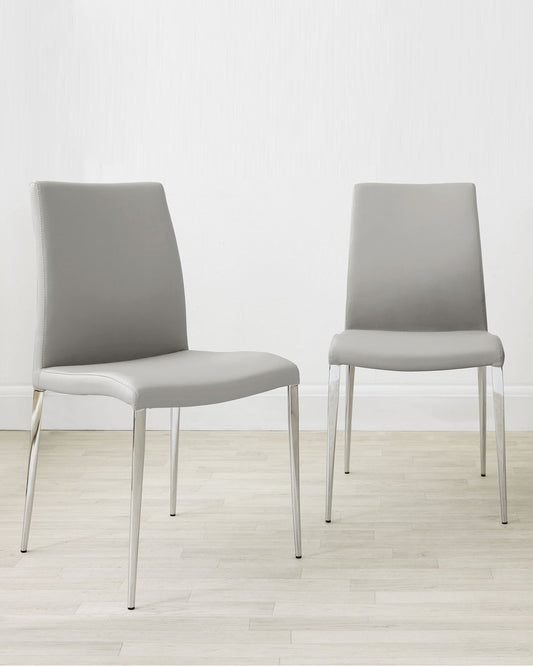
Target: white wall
[259,116]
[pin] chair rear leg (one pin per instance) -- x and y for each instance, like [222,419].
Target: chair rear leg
[350,370]
[499,417]
[137,468]
[35,433]
[333,408]
[482,397]
[174,439]
[294,444]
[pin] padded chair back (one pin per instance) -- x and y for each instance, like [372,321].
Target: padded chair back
[110,281]
[415,259]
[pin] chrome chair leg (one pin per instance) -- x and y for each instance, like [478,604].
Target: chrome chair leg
[350,370]
[174,439]
[499,418]
[333,407]
[482,396]
[137,468]
[35,432]
[294,444]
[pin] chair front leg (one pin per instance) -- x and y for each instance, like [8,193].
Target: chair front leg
[174,439]
[294,446]
[350,371]
[137,468]
[482,397]
[35,433]
[333,407]
[499,417]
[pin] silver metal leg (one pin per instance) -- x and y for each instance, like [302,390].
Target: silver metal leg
[350,370]
[137,468]
[294,445]
[174,439]
[333,407]
[35,432]
[499,418]
[482,396]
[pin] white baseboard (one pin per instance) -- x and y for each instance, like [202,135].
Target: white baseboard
[377,407]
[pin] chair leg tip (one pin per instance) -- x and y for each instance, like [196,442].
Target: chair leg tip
[346,472]
[504,522]
[23,551]
[298,557]
[131,607]
[172,515]
[328,521]
[483,475]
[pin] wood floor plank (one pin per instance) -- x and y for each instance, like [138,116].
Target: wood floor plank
[415,567]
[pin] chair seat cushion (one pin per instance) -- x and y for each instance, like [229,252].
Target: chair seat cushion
[180,379]
[416,350]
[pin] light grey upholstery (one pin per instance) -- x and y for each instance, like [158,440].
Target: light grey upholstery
[111,322]
[416,301]
[415,259]
[110,283]
[111,313]
[182,379]
[416,350]
[415,266]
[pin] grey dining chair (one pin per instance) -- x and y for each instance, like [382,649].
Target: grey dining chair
[111,321]
[415,301]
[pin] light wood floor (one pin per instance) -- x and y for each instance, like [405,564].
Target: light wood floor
[415,567]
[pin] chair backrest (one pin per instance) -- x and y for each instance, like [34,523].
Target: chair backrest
[110,281]
[415,259]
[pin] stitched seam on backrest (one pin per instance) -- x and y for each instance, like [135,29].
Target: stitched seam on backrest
[43,296]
